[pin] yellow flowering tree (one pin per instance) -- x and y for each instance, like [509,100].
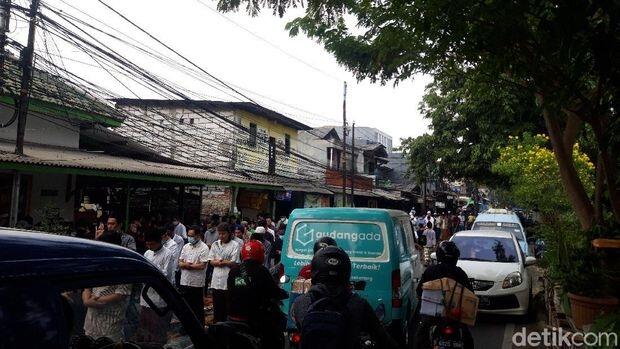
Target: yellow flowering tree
[534,175]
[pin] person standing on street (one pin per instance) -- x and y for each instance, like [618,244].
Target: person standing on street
[223,255]
[153,328]
[193,262]
[106,305]
[179,228]
[174,243]
[114,226]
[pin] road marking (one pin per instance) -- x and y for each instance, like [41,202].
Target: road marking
[508,332]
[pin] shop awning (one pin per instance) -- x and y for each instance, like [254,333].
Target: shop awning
[38,158]
[308,189]
[389,195]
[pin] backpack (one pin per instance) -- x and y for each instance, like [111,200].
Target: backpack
[325,324]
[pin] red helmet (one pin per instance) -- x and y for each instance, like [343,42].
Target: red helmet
[254,250]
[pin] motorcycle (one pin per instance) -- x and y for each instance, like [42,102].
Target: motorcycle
[447,335]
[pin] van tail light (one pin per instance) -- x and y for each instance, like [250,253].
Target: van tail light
[281,271]
[295,338]
[396,301]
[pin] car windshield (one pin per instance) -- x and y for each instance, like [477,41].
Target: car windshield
[486,249]
[501,226]
[364,240]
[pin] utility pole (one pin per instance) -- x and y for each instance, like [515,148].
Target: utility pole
[5,17]
[27,56]
[344,147]
[353,164]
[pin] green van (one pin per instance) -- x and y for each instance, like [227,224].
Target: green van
[381,246]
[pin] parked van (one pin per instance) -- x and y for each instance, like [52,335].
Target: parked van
[503,220]
[381,246]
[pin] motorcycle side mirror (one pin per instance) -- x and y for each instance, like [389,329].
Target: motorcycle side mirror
[285,279]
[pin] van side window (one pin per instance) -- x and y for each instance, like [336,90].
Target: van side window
[399,237]
[409,236]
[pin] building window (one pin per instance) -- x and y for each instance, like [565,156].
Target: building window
[333,159]
[252,140]
[371,168]
[272,155]
[287,144]
[191,121]
[181,121]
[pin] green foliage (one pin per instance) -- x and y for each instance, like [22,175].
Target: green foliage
[471,119]
[51,221]
[534,175]
[608,323]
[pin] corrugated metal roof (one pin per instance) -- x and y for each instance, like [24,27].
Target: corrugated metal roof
[79,159]
[62,94]
[308,189]
[390,195]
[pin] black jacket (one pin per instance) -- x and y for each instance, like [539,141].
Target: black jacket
[250,295]
[362,316]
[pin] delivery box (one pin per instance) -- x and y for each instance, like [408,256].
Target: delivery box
[447,298]
[301,285]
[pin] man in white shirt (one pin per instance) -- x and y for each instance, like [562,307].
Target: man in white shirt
[174,243]
[179,228]
[224,254]
[153,327]
[193,262]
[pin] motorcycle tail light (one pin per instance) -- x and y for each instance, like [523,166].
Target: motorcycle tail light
[447,330]
[295,338]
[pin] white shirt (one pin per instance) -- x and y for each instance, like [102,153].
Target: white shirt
[431,240]
[176,251]
[194,254]
[163,259]
[180,230]
[229,251]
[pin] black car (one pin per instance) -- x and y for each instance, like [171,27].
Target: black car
[44,280]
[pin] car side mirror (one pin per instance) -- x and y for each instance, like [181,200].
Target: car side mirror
[434,256]
[422,240]
[285,279]
[158,310]
[529,260]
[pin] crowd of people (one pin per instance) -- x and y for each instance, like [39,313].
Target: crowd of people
[196,259]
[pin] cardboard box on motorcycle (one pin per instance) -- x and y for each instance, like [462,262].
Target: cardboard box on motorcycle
[446,298]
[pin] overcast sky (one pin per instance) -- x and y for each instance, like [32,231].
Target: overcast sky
[237,56]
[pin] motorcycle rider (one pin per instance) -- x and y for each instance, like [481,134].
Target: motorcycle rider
[447,256]
[331,273]
[306,271]
[254,296]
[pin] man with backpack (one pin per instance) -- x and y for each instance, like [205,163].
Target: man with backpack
[330,315]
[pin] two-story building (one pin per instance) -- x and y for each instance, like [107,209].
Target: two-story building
[236,136]
[366,159]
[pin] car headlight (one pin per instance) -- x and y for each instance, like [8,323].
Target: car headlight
[512,280]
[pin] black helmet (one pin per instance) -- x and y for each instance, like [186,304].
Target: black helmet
[331,265]
[324,242]
[448,252]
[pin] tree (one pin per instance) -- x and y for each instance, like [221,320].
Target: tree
[534,175]
[471,119]
[565,53]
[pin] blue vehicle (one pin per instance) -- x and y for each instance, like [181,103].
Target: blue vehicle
[45,278]
[381,246]
[503,220]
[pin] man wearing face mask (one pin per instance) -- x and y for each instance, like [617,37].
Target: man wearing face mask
[193,262]
[153,328]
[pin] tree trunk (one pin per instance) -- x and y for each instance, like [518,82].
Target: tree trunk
[599,126]
[575,190]
[598,191]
